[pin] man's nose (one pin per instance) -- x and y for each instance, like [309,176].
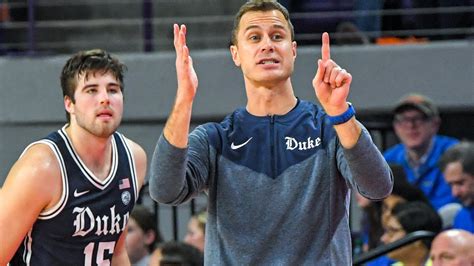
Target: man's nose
[267,44]
[455,191]
[104,97]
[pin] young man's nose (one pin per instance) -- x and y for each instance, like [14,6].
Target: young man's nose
[104,97]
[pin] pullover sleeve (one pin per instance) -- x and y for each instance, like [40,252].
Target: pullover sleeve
[368,171]
[177,175]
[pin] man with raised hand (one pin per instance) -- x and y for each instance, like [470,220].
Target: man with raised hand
[279,171]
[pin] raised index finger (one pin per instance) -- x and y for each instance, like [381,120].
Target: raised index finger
[325,50]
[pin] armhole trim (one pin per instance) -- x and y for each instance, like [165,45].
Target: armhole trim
[131,163]
[53,211]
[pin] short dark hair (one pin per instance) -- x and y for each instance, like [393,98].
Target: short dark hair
[180,254]
[147,222]
[87,62]
[462,152]
[415,216]
[403,188]
[260,5]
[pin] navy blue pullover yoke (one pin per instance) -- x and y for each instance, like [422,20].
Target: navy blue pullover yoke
[278,186]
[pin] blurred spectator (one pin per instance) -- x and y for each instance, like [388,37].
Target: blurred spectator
[176,254]
[402,192]
[453,247]
[457,164]
[416,123]
[197,230]
[347,33]
[369,23]
[407,218]
[142,235]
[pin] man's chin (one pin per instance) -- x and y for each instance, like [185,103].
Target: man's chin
[105,132]
[413,145]
[416,143]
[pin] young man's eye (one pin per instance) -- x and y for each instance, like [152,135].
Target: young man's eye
[91,91]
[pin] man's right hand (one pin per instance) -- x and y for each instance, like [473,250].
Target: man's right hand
[177,127]
[187,78]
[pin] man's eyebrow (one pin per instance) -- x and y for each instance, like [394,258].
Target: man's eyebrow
[446,254]
[90,85]
[278,26]
[113,84]
[251,27]
[96,85]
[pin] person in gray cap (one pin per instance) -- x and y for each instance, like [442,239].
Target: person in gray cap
[416,123]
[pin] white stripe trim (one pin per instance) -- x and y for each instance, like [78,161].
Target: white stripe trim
[97,182]
[131,163]
[29,249]
[25,247]
[57,208]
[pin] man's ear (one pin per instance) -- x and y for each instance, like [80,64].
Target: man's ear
[68,104]
[293,48]
[235,55]
[150,237]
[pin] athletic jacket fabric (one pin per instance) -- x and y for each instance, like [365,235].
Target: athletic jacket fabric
[278,186]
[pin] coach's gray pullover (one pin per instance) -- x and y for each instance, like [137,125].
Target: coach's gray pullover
[278,186]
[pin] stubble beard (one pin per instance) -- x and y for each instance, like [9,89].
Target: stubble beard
[98,128]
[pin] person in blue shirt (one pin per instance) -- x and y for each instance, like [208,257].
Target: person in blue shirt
[416,123]
[457,165]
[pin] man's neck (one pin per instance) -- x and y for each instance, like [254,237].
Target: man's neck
[416,155]
[95,152]
[276,100]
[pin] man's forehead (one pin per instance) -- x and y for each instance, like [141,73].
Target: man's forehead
[256,18]
[410,111]
[86,75]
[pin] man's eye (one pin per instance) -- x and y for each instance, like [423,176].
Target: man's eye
[254,37]
[91,91]
[277,37]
